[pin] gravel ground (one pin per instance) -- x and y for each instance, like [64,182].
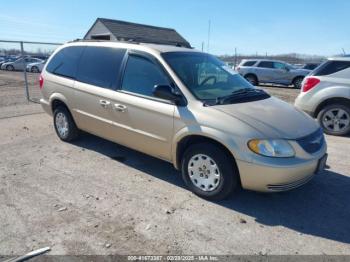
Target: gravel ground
[96,197]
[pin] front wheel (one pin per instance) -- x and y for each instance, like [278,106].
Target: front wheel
[10,68]
[209,171]
[335,119]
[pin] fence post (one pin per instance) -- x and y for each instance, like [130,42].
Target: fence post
[25,72]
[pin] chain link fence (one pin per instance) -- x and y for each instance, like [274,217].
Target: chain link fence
[21,63]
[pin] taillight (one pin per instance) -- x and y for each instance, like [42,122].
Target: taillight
[41,81]
[310,82]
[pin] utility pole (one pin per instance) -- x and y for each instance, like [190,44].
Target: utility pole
[343,51]
[209,24]
[202,46]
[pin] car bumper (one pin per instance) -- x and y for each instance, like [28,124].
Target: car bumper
[275,178]
[46,106]
[304,105]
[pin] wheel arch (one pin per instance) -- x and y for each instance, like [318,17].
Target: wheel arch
[251,74]
[296,77]
[192,139]
[332,100]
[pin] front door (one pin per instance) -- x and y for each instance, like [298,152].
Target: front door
[150,119]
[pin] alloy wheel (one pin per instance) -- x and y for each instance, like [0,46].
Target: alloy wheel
[336,120]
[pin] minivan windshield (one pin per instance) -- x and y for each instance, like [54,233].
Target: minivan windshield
[208,78]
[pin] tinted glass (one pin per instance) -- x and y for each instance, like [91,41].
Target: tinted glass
[266,64]
[331,67]
[310,66]
[100,66]
[249,63]
[141,75]
[204,75]
[278,65]
[65,62]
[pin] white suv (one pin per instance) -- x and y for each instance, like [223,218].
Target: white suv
[325,95]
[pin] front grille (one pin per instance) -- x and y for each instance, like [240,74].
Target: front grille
[289,186]
[313,142]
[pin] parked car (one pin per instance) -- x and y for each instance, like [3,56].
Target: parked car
[185,107]
[310,66]
[325,95]
[36,67]
[7,60]
[271,72]
[19,64]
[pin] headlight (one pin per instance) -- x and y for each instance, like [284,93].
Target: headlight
[271,148]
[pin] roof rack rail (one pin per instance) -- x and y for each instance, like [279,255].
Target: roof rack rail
[130,41]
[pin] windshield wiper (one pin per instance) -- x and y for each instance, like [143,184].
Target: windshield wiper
[241,93]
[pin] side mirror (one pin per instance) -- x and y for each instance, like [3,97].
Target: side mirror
[287,69]
[166,92]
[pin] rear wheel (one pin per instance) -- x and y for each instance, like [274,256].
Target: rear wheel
[64,124]
[335,119]
[297,82]
[10,68]
[252,79]
[209,171]
[35,69]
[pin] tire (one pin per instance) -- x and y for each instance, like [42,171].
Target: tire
[225,171]
[10,68]
[335,119]
[35,69]
[297,82]
[64,124]
[252,79]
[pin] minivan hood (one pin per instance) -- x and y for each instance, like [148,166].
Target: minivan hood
[273,117]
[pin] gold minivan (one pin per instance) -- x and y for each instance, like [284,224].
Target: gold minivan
[185,107]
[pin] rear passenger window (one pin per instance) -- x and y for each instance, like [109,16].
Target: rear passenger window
[249,63]
[331,67]
[266,64]
[65,62]
[141,75]
[100,66]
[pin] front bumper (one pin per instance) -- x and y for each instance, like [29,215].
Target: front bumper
[274,177]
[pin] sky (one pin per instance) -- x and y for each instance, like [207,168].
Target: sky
[315,27]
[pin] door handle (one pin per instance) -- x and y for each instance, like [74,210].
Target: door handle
[104,103]
[120,108]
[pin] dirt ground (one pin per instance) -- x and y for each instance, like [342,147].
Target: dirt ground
[96,197]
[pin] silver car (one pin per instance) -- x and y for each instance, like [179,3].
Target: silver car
[36,67]
[19,64]
[325,95]
[271,72]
